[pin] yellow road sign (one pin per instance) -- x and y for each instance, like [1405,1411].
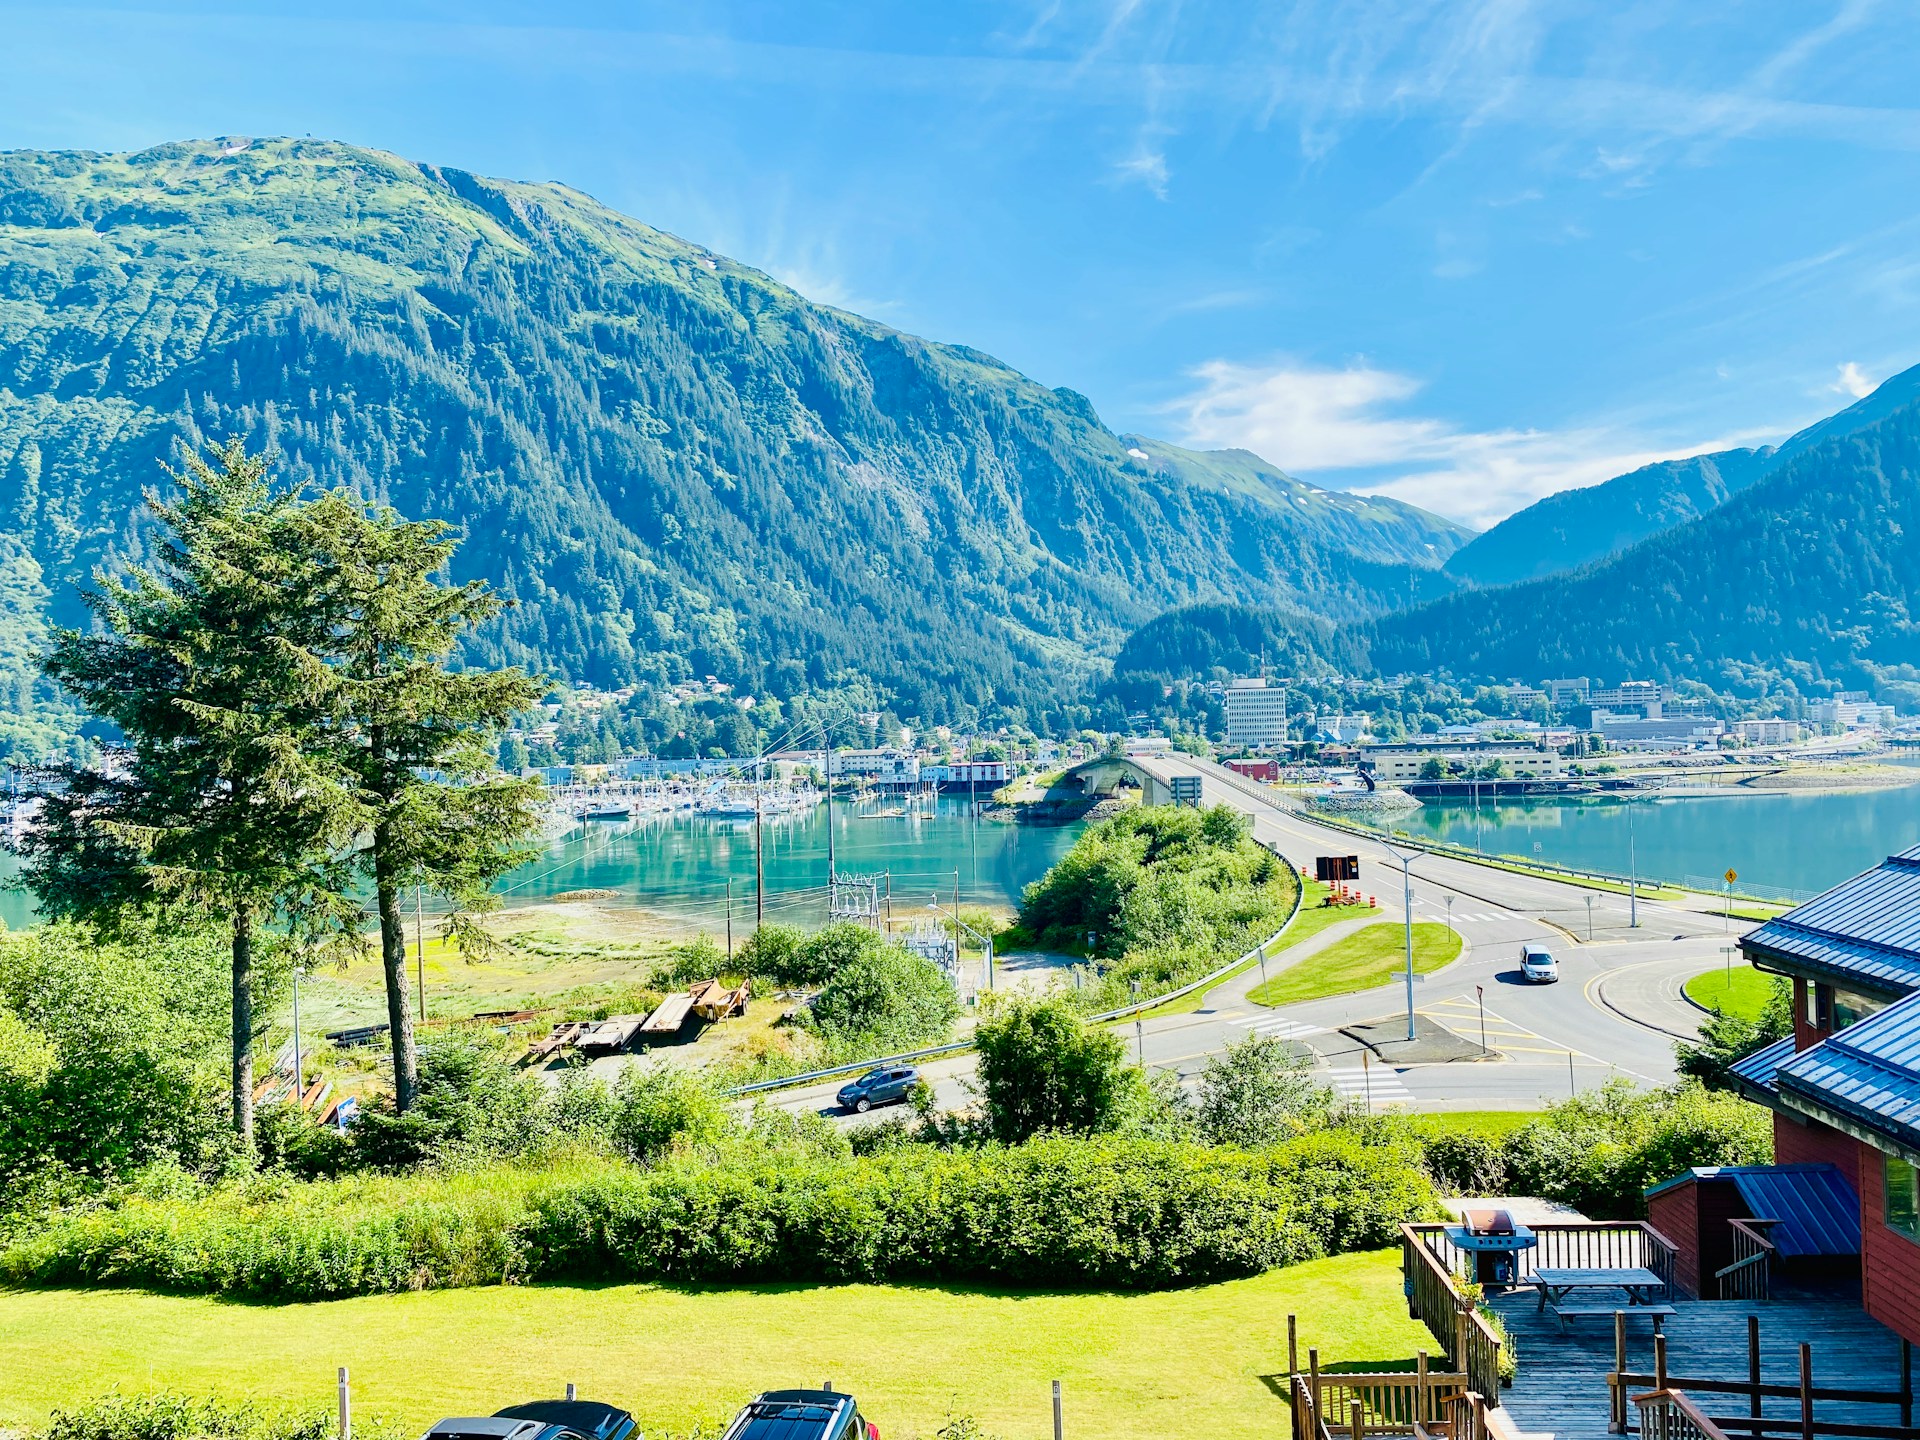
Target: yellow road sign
[1732,875]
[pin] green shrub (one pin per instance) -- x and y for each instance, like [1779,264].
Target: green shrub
[1109,1211]
[183,1417]
[1044,1068]
[469,1102]
[1600,1151]
[1168,892]
[882,997]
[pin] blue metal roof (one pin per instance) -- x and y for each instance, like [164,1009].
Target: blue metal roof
[1761,1068]
[1865,928]
[1818,1212]
[1869,1072]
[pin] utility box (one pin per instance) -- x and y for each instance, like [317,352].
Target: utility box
[1186,789]
[1329,868]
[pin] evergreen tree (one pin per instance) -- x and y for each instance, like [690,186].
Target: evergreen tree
[418,736]
[224,803]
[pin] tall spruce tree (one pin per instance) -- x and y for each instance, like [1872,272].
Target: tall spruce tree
[417,734]
[226,801]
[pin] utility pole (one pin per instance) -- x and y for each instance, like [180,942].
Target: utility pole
[1406,877]
[1633,876]
[828,744]
[299,1083]
[759,859]
[420,960]
[729,917]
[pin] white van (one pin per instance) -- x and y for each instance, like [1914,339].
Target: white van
[1538,966]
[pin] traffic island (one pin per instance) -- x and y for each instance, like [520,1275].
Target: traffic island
[1432,1043]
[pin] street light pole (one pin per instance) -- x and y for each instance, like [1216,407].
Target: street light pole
[1633,876]
[1406,876]
[1589,917]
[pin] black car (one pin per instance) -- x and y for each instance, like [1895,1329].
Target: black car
[801,1415]
[886,1086]
[542,1420]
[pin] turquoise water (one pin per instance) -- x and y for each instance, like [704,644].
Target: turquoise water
[681,865]
[1792,845]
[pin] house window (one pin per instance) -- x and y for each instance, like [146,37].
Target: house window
[1903,1197]
[1850,1007]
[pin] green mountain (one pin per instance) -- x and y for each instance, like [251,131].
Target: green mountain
[1575,527]
[1809,576]
[673,464]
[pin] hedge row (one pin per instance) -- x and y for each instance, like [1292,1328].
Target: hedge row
[1055,1212]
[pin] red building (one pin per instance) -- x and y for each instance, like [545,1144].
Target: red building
[1845,1086]
[1255,769]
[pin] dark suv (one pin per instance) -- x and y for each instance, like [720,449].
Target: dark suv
[542,1420]
[801,1415]
[886,1086]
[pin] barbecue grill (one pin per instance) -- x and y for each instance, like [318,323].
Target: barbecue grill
[1494,1240]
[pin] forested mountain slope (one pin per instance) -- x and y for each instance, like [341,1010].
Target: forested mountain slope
[1567,530]
[675,465]
[1575,527]
[1811,574]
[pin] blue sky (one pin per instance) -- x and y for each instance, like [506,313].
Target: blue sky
[1465,253]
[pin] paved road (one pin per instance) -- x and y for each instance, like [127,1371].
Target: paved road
[1616,1010]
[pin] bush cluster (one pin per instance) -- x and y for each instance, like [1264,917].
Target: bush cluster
[1168,893]
[1599,1151]
[1108,1211]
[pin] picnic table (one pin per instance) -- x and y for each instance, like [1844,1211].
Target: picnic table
[1560,1289]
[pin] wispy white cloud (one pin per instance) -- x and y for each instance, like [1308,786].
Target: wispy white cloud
[1852,381]
[1147,164]
[1350,427]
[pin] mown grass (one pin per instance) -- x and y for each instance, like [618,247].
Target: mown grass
[1368,957]
[1315,916]
[1742,992]
[1186,1362]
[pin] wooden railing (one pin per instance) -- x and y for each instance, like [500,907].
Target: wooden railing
[1670,1415]
[1750,1276]
[1471,1344]
[1754,1425]
[1307,1424]
[1574,1245]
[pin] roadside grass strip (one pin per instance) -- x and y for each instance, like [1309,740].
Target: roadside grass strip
[682,1357]
[1743,992]
[1370,956]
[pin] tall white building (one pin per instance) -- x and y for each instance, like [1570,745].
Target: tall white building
[1256,715]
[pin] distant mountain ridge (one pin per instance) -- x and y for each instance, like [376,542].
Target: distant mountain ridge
[671,463]
[1808,576]
[1576,527]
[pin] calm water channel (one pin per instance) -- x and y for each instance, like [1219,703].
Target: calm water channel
[1792,845]
[682,866]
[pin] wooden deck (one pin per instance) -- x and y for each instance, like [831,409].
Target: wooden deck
[1561,1387]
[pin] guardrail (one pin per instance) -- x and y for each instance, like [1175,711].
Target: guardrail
[1553,869]
[1212,977]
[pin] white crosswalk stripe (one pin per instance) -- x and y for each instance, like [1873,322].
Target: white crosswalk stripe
[1279,1027]
[1353,1082]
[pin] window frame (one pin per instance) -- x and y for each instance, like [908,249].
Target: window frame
[1900,1177]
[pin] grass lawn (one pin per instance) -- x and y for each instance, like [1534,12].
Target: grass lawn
[1745,994]
[1181,1362]
[1312,919]
[1368,957]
